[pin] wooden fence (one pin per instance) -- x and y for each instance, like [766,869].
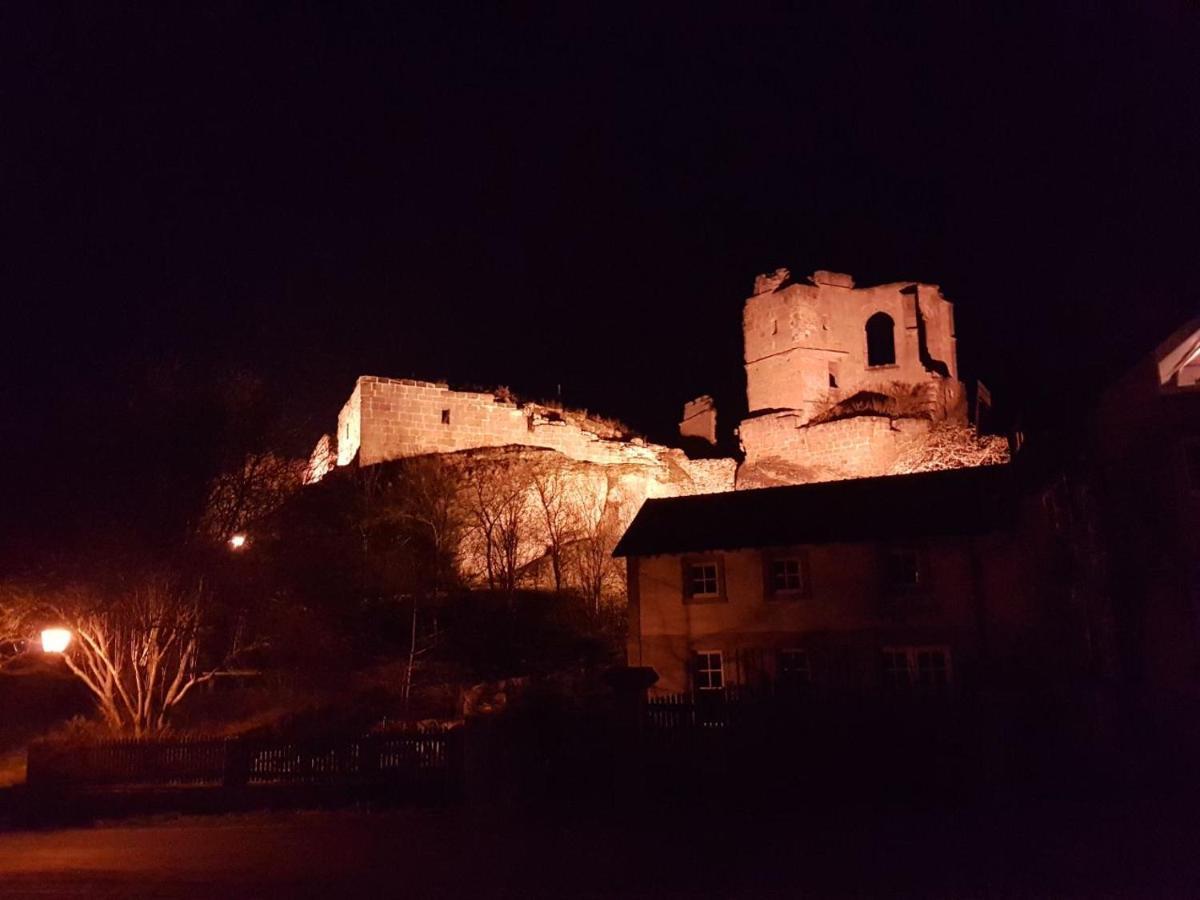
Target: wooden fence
[417,757]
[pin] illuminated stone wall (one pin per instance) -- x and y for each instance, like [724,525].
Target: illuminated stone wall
[387,419]
[406,418]
[787,451]
[805,343]
[806,352]
[699,419]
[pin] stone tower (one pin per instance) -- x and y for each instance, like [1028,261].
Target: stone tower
[840,380]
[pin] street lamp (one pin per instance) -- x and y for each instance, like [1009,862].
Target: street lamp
[237,541]
[55,640]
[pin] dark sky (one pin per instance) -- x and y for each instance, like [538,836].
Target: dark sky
[540,195]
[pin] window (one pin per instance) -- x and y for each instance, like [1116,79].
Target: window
[933,668]
[786,576]
[902,569]
[881,341]
[794,669]
[895,670]
[833,374]
[702,580]
[710,673]
[445,417]
[924,669]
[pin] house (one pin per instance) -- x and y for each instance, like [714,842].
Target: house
[898,583]
[1147,449]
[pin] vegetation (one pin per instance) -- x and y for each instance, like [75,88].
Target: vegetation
[894,400]
[385,591]
[952,446]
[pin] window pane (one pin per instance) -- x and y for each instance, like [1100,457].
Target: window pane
[903,569]
[931,667]
[786,575]
[703,578]
[895,668]
[708,670]
[793,667]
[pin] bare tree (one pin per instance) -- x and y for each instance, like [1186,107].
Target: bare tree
[553,490]
[430,501]
[139,652]
[499,506]
[422,497]
[246,493]
[593,569]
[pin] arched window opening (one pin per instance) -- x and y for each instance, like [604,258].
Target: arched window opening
[881,341]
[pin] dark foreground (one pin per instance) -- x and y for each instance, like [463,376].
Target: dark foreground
[1064,850]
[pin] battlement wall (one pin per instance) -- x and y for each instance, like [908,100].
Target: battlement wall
[803,341]
[387,418]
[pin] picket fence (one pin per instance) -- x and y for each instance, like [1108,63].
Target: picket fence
[414,756]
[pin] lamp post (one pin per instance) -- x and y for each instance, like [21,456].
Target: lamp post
[237,541]
[55,640]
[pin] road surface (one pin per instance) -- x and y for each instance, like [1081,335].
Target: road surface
[452,853]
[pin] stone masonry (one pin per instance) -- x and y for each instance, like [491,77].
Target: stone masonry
[841,382]
[699,419]
[810,354]
[386,419]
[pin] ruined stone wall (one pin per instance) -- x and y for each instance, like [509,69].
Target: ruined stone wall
[699,419]
[807,342]
[821,407]
[348,438]
[789,451]
[387,419]
[407,418]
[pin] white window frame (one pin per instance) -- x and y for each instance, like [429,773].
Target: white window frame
[790,674]
[707,671]
[911,656]
[799,574]
[716,581]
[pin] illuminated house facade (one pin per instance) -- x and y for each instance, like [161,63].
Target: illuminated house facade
[902,582]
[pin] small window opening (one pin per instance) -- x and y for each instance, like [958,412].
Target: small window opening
[833,374]
[445,417]
[881,340]
[903,569]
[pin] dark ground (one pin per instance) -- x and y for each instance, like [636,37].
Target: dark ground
[1036,850]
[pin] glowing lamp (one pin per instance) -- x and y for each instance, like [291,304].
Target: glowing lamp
[55,640]
[238,541]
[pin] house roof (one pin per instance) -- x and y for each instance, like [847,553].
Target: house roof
[953,502]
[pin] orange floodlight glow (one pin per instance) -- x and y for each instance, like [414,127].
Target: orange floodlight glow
[55,640]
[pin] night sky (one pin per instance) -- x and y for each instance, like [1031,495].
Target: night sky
[539,196]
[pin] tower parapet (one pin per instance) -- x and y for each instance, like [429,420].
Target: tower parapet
[823,351]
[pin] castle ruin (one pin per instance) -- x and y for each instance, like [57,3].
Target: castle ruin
[386,419]
[841,382]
